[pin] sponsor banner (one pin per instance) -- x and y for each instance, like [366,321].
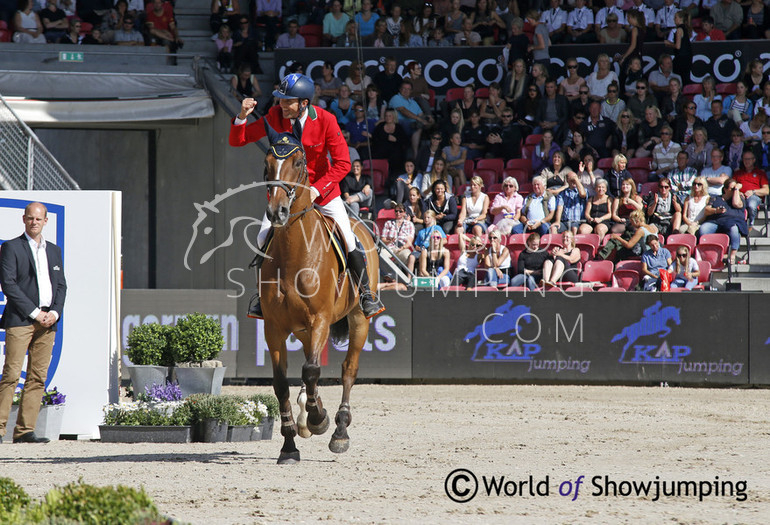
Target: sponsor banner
[446,68]
[634,337]
[85,225]
[387,353]
[759,349]
[166,306]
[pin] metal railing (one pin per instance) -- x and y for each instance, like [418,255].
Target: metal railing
[25,163]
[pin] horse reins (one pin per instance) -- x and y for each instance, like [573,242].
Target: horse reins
[289,187]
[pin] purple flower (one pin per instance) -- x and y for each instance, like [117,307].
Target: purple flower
[167,392]
[54,397]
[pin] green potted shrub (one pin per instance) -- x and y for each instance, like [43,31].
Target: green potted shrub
[196,342]
[270,402]
[211,415]
[150,355]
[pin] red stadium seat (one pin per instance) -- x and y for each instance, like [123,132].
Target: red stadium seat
[640,176]
[727,88]
[468,167]
[454,94]
[626,279]
[494,188]
[491,164]
[598,271]
[550,240]
[647,188]
[721,239]
[311,29]
[384,216]
[611,289]
[629,265]
[521,176]
[690,90]
[713,253]
[643,163]
[432,98]
[5,35]
[482,92]
[488,176]
[379,178]
[312,40]
[525,189]
[681,239]
[533,140]
[520,164]
[605,164]
[704,277]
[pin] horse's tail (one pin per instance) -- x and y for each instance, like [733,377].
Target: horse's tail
[339,332]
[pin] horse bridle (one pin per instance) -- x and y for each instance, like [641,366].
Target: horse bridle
[284,150]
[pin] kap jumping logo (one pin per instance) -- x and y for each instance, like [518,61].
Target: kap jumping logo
[496,337]
[643,345]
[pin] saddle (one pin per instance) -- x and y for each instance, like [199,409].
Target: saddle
[335,235]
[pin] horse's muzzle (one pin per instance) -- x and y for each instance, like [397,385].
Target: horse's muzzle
[278,217]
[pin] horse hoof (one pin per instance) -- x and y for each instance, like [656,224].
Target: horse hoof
[302,429]
[339,446]
[288,458]
[320,428]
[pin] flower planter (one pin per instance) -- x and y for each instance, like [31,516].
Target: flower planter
[49,422]
[266,428]
[145,375]
[210,431]
[243,433]
[144,434]
[199,380]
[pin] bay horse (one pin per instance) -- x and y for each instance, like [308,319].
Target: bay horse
[304,291]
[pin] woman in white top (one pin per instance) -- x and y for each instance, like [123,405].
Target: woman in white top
[685,269]
[29,29]
[497,261]
[599,80]
[473,214]
[695,206]
[703,100]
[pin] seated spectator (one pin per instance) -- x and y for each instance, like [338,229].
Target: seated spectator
[357,189]
[632,242]
[435,261]
[72,36]
[474,208]
[360,130]
[291,39]
[672,103]
[562,264]
[610,8]
[470,259]
[598,213]
[420,88]
[128,36]
[552,111]
[699,150]
[367,19]
[94,38]
[763,103]
[654,259]
[444,205]
[613,33]
[405,182]
[246,46]
[538,210]
[269,13]
[556,175]
[686,123]
[709,32]
[505,141]
[684,269]
[516,82]
[641,100]
[719,126]
[438,38]
[717,173]
[542,156]
[761,150]
[756,21]
[660,79]
[754,78]
[664,154]
[649,132]
[625,139]
[224,49]
[682,176]
[694,208]
[161,27]
[467,36]
[428,154]
[617,174]
[498,261]
[739,107]
[570,206]
[570,86]
[703,100]
[395,22]
[54,21]
[555,21]
[380,37]
[575,149]
[398,234]
[726,214]
[422,240]
[223,12]
[389,141]
[599,80]
[664,209]
[485,20]
[453,124]
[69,7]
[244,84]
[529,270]
[474,137]
[342,107]
[329,83]
[351,150]
[492,107]
[734,152]
[93,11]
[580,24]
[752,129]
[334,23]
[625,203]
[629,77]
[415,209]
[588,174]
[350,37]
[526,109]
[437,172]
[612,106]
[29,29]
[598,130]
[581,104]
[411,116]
[388,80]
[753,184]
[506,207]
[455,155]
[357,80]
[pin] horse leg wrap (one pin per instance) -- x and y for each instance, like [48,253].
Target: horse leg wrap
[302,417]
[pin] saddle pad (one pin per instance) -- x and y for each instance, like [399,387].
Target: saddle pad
[335,235]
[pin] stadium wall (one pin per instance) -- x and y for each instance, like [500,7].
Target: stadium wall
[622,338]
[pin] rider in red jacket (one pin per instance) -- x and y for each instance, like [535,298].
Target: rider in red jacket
[321,136]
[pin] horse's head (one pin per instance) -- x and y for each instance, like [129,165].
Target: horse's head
[285,173]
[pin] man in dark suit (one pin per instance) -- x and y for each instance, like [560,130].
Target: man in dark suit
[32,279]
[552,112]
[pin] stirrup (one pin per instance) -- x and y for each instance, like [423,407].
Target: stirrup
[370,305]
[255,308]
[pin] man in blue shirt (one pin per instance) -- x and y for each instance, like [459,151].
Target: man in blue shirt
[410,115]
[538,211]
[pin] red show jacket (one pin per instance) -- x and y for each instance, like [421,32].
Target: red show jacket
[321,135]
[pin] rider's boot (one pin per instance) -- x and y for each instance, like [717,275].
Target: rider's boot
[255,307]
[370,302]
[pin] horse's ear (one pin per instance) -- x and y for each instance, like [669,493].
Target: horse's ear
[272,135]
[297,130]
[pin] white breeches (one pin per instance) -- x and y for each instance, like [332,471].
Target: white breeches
[334,209]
